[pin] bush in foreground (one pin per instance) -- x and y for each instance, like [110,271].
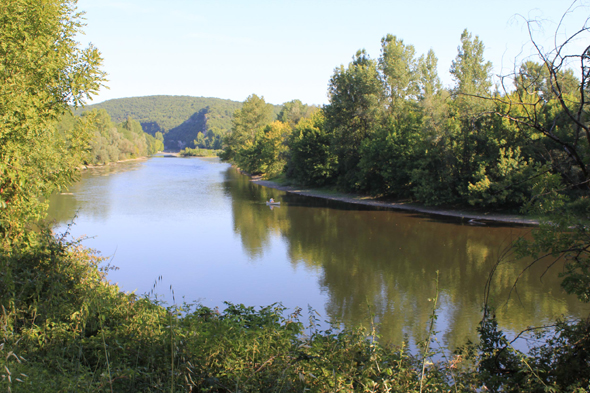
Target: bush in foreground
[65,328]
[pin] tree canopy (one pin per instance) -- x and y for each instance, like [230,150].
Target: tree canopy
[254,115]
[43,71]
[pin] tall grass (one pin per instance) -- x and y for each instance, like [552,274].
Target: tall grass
[65,328]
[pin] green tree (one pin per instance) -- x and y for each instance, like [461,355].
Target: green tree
[106,140]
[254,115]
[431,175]
[390,154]
[533,77]
[265,155]
[355,110]
[215,138]
[400,73]
[312,161]
[556,112]
[433,98]
[389,157]
[506,164]
[200,141]
[153,145]
[42,72]
[293,111]
[429,82]
[469,69]
[467,124]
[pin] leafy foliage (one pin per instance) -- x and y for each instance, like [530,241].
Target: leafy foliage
[112,142]
[558,363]
[123,141]
[355,109]
[312,161]
[391,130]
[197,152]
[553,108]
[42,73]
[254,115]
[293,111]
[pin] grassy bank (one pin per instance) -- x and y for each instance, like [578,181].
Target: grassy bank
[65,328]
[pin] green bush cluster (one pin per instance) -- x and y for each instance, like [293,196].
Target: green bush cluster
[110,142]
[115,142]
[198,152]
[256,143]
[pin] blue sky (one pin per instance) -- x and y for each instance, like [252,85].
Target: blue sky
[285,50]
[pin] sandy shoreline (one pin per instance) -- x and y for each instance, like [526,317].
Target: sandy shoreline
[474,217]
[90,166]
[145,158]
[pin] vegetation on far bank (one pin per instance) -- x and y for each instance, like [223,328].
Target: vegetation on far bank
[390,129]
[197,152]
[110,142]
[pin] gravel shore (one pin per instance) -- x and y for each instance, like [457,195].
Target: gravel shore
[471,217]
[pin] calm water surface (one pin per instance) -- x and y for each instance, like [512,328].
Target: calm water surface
[206,231]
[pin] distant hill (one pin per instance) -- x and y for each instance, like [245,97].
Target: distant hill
[179,118]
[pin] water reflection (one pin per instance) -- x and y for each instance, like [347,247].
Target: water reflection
[209,232]
[92,192]
[385,262]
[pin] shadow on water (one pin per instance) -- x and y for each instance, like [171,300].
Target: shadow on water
[255,192]
[90,193]
[323,203]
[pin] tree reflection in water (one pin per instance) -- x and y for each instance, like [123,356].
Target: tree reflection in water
[385,262]
[202,224]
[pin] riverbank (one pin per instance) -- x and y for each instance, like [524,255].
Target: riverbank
[472,217]
[198,152]
[113,162]
[165,154]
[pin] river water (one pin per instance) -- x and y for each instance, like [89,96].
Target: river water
[195,229]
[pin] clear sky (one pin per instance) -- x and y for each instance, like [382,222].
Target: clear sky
[285,50]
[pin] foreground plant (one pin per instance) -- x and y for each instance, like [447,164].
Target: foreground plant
[43,72]
[65,328]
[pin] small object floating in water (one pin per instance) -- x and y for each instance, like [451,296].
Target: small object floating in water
[272,203]
[66,193]
[475,222]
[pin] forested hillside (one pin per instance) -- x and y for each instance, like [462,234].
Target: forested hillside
[181,119]
[110,142]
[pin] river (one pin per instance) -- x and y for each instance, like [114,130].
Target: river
[195,230]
